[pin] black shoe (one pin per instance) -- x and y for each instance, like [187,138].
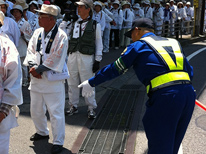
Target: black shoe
[56,149]
[71,111]
[91,114]
[37,137]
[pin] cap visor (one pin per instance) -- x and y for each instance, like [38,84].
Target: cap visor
[128,34]
[79,3]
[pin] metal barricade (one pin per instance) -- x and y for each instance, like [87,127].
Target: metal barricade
[176,29]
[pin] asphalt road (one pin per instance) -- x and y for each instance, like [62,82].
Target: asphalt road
[193,143]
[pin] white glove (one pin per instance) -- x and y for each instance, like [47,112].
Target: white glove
[87,90]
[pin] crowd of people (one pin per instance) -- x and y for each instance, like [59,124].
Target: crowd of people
[58,42]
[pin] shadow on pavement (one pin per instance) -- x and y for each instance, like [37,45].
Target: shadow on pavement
[44,147]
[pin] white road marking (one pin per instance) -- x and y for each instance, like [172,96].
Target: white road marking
[195,53]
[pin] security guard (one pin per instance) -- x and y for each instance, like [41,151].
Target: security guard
[161,66]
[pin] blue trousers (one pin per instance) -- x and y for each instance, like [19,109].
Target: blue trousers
[167,116]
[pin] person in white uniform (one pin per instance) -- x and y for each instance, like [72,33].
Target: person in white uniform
[138,12]
[98,15]
[173,19]
[85,54]
[10,88]
[148,11]
[26,33]
[181,15]
[128,17]
[34,21]
[158,18]
[10,27]
[116,24]
[190,16]
[106,34]
[46,57]
[10,6]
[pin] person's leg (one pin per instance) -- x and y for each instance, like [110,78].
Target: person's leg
[38,111]
[162,119]
[55,104]
[185,116]
[73,80]
[116,38]
[85,69]
[106,40]
[4,142]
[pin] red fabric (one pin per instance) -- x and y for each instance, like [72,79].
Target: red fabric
[47,2]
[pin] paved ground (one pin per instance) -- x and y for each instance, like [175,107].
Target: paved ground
[20,143]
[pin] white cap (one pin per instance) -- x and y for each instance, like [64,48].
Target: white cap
[2,17]
[2,2]
[17,7]
[85,2]
[146,2]
[97,3]
[40,2]
[116,2]
[125,3]
[188,3]
[49,9]
[136,6]
[33,2]
[152,1]
[157,2]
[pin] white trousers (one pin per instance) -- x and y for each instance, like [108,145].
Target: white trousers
[80,69]
[106,37]
[124,41]
[24,70]
[4,142]
[54,103]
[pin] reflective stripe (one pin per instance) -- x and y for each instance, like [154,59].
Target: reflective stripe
[158,46]
[119,64]
[167,78]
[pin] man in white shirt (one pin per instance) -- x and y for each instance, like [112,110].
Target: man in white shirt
[98,15]
[128,17]
[116,24]
[173,19]
[158,18]
[84,55]
[46,56]
[148,11]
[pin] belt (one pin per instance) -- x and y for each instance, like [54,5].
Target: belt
[168,79]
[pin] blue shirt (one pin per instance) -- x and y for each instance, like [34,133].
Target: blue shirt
[144,60]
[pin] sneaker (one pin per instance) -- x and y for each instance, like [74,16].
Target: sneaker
[24,84]
[116,48]
[91,114]
[72,111]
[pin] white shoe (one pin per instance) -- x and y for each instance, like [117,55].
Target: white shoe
[116,48]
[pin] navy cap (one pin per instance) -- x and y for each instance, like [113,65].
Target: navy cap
[142,22]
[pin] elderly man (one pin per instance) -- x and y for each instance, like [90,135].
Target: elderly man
[10,87]
[161,66]
[85,54]
[46,53]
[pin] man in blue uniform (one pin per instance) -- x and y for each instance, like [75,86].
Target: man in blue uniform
[161,66]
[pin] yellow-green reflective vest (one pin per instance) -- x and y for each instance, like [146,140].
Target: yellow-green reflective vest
[175,72]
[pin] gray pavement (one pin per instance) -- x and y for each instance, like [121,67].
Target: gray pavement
[20,143]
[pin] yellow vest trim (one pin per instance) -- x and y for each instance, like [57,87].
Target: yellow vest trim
[158,46]
[166,78]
